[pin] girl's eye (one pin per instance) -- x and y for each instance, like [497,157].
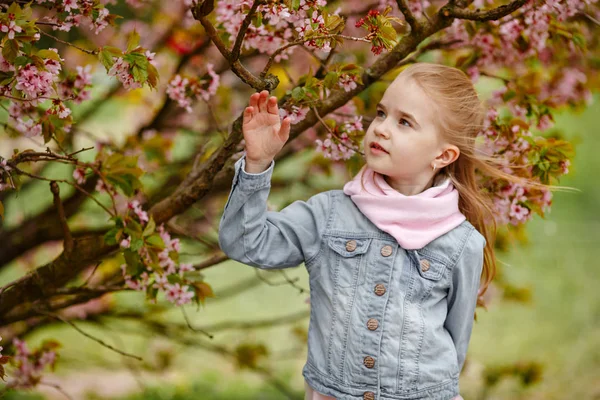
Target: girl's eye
[402,119]
[380,113]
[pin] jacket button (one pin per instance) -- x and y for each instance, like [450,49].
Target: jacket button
[351,245]
[379,289]
[372,324]
[369,362]
[369,396]
[386,250]
[424,265]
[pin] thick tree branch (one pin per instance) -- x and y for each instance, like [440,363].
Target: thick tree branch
[235,52]
[408,15]
[269,82]
[451,11]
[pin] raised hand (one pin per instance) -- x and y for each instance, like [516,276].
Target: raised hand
[265,134]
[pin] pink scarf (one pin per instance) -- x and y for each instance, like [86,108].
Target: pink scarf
[413,221]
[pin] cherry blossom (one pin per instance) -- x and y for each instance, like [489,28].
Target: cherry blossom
[29,366]
[79,175]
[11,28]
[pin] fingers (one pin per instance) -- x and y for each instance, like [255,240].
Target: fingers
[284,131]
[262,102]
[248,114]
[272,105]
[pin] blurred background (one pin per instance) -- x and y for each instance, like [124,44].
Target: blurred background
[543,344]
[539,337]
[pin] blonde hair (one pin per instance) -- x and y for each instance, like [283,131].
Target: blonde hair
[461,118]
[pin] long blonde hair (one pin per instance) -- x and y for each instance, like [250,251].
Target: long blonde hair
[461,118]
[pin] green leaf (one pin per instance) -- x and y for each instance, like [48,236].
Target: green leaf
[136,244]
[133,41]
[155,240]
[6,77]
[10,51]
[298,93]
[139,74]
[106,58]
[1,211]
[149,230]
[21,61]
[14,9]
[152,76]
[44,53]
[110,237]
[331,79]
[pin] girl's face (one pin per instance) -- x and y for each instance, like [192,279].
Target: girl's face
[404,127]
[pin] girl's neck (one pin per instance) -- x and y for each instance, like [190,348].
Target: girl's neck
[412,190]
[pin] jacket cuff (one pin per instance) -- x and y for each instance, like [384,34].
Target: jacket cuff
[248,181]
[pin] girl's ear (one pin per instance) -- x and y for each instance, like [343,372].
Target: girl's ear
[448,156]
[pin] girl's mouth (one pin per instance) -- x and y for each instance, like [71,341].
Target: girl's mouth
[376,148]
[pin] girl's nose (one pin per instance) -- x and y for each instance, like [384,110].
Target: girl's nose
[381,131]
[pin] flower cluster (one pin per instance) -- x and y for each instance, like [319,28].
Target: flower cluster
[282,24]
[30,365]
[121,69]
[513,203]
[76,85]
[184,90]
[74,13]
[338,144]
[159,269]
[515,39]
[296,113]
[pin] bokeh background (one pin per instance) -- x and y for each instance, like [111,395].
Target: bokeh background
[541,342]
[538,339]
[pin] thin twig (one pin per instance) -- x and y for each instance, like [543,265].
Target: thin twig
[101,342]
[333,133]
[189,324]
[57,387]
[69,183]
[302,41]
[92,52]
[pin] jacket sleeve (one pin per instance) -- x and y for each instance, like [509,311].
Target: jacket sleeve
[463,293]
[251,234]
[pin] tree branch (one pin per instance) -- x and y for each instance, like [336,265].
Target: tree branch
[451,11]
[235,52]
[408,15]
[269,82]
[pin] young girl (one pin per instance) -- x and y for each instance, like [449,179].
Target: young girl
[394,259]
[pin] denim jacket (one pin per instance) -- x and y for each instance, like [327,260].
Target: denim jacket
[385,322]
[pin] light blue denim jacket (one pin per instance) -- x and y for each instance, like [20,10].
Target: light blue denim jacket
[385,322]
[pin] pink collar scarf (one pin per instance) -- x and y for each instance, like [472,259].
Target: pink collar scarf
[413,221]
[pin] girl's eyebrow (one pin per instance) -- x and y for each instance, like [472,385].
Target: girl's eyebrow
[405,114]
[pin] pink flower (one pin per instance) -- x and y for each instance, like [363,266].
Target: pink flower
[125,243]
[178,294]
[11,28]
[79,175]
[518,212]
[185,267]
[70,4]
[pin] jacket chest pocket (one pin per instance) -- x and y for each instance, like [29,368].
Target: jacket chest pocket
[430,273]
[350,254]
